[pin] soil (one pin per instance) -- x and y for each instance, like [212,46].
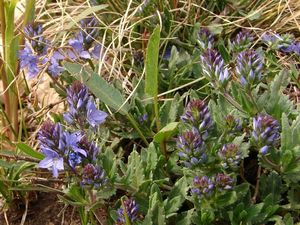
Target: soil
[43,210]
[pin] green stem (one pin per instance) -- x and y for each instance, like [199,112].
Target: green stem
[136,127]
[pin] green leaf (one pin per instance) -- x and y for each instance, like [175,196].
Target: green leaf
[271,184]
[152,158]
[99,87]
[29,151]
[166,132]
[151,82]
[185,218]
[226,199]
[176,197]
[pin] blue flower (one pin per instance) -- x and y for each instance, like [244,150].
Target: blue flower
[93,177]
[53,161]
[249,68]
[94,117]
[82,109]
[83,43]
[214,69]
[131,210]
[28,60]
[266,132]
[242,41]
[205,38]
[192,148]
[203,186]
[223,182]
[197,114]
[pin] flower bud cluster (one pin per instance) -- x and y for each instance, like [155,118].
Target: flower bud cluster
[242,41]
[266,132]
[249,68]
[82,110]
[131,209]
[204,187]
[214,69]
[205,38]
[230,155]
[33,56]
[191,142]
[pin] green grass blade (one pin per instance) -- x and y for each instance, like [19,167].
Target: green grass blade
[151,83]
[99,87]
[29,151]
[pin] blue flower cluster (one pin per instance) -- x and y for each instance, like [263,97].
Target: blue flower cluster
[83,46]
[249,68]
[241,41]
[74,149]
[204,187]
[82,110]
[34,55]
[131,211]
[230,155]
[56,144]
[214,69]
[191,143]
[266,132]
[205,38]
[285,43]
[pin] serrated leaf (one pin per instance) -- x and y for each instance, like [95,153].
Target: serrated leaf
[151,80]
[99,87]
[166,132]
[29,151]
[271,184]
[226,199]
[185,218]
[176,197]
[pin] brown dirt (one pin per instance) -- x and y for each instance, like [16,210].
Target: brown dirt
[44,210]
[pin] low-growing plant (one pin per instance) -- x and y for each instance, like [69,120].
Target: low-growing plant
[209,136]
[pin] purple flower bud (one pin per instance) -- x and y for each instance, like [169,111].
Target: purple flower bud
[90,148]
[203,187]
[242,41]
[249,68]
[205,38]
[82,109]
[224,182]
[93,177]
[214,69]
[266,132]
[131,210]
[230,155]
[192,148]
[233,125]
[198,115]
[283,42]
